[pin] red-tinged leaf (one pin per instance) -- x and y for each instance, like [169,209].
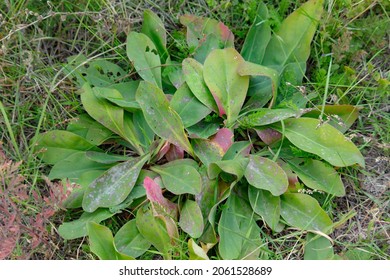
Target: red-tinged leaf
[228,88]
[291,176]
[154,194]
[205,35]
[269,135]
[164,150]
[223,138]
[213,150]
[174,153]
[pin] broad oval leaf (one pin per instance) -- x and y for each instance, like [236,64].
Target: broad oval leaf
[318,248]
[263,173]
[258,36]
[290,45]
[78,228]
[190,110]
[323,140]
[105,158]
[153,27]
[265,116]
[228,88]
[109,115]
[161,118]
[180,179]
[238,231]
[75,199]
[129,241]
[55,146]
[203,130]
[154,230]
[154,194]
[102,243]
[266,205]
[113,186]
[341,116]
[74,166]
[89,129]
[99,72]
[235,167]
[195,251]
[304,212]
[143,54]
[205,35]
[318,175]
[193,74]
[191,219]
[208,195]
[256,70]
[213,149]
[238,149]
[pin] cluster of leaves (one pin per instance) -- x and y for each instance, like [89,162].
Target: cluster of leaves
[214,148]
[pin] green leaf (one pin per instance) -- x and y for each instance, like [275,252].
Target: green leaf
[256,70]
[202,130]
[318,248]
[205,35]
[144,56]
[235,166]
[107,114]
[138,191]
[207,197]
[191,220]
[265,116]
[115,97]
[112,187]
[213,149]
[153,27]
[102,243]
[226,85]
[89,129]
[105,158]
[126,89]
[258,36]
[181,162]
[172,75]
[263,173]
[161,118]
[74,166]
[193,74]
[304,212]
[341,116]
[154,230]
[129,241]
[195,251]
[143,131]
[99,72]
[56,145]
[75,199]
[190,110]
[260,91]
[180,179]
[318,176]
[238,149]
[266,205]
[289,47]
[322,140]
[238,231]
[78,228]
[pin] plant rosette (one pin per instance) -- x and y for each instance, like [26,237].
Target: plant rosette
[210,150]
